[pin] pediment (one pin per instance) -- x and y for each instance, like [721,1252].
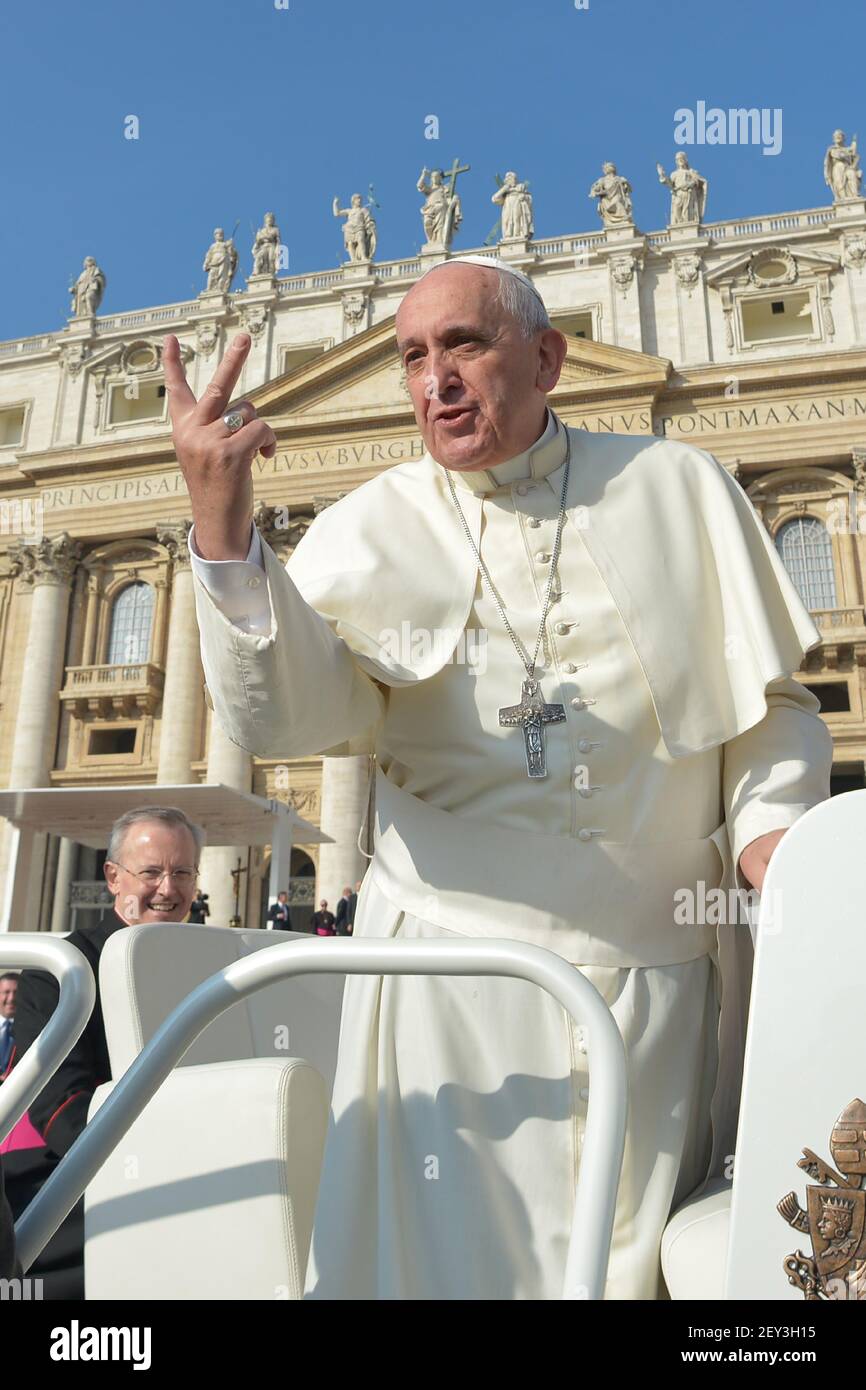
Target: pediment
[770,266]
[362,380]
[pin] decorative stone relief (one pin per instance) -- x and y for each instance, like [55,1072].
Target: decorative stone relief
[52,560]
[688,271]
[854,252]
[772,265]
[73,356]
[320,503]
[254,319]
[355,310]
[206,337]
[174,536]
[622,268]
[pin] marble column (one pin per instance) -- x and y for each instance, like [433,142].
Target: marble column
[344,804]
[230,765]
[47,567]
[66,862]
[182,700]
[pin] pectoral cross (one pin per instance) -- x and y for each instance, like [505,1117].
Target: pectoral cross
[532,713]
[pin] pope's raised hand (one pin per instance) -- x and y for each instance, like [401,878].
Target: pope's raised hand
[216,461]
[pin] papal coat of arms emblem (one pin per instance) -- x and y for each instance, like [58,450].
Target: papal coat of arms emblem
[835,1218]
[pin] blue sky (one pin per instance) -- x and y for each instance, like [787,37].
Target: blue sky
[244,107]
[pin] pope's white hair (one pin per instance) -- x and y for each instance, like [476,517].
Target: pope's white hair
[523,303]
[516,293]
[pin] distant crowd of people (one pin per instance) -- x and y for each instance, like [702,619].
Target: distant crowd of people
[322,923]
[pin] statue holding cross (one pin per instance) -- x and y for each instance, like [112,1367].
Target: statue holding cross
[441,211]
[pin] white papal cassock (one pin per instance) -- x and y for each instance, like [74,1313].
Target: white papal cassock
[459,1104]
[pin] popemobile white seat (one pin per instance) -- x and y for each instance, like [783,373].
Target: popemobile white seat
[212,1191]
[805,1063]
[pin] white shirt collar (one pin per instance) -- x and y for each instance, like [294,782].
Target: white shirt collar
[541,458]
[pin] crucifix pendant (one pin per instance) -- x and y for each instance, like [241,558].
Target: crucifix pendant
[532,714]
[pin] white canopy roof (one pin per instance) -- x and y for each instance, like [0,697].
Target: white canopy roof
[86,814]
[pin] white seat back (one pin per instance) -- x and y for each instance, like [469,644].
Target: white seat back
[805,1053]
[145,971]
[226,1157]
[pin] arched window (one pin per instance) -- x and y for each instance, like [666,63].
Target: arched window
[807,554]
[131,622]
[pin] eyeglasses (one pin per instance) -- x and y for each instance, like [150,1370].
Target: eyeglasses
[153,877]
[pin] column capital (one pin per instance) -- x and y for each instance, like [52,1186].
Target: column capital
[51,560]
[174,536]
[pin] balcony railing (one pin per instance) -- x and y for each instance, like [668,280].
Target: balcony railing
[831,619]
[103,689]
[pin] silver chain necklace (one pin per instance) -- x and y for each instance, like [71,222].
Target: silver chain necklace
[532,713]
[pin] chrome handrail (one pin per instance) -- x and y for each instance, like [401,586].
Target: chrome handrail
[39,951]
[604,1140]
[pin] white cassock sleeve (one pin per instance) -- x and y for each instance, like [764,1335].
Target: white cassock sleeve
[237,586]
[278,695]
[778,769]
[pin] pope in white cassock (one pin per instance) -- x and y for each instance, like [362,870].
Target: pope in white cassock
[592,725]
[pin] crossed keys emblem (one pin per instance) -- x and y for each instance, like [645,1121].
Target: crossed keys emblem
[835,1218]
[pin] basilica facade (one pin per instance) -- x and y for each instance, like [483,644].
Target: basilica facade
[746,338]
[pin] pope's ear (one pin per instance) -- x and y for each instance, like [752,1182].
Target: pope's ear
[552,348]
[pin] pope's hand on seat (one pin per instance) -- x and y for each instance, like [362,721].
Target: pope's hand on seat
[756,857]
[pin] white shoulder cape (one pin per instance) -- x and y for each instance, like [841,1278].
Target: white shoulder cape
[708,605]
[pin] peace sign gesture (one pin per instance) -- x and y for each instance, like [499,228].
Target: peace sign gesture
[215,457]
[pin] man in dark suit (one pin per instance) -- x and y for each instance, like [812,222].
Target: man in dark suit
[353,907]
[8,992]
[342,919]
[151,870]
[278,913]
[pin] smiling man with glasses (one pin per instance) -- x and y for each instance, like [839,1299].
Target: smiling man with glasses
[151,869]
